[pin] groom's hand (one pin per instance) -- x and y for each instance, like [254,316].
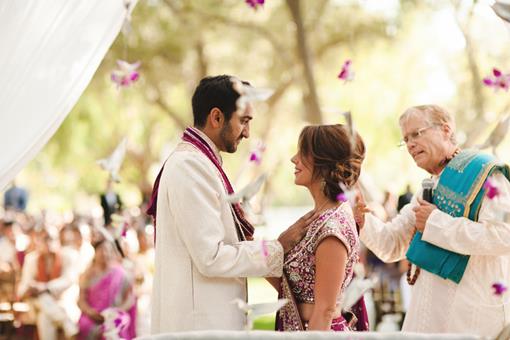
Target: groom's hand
[290,237]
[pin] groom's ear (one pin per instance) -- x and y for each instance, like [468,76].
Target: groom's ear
[216,118]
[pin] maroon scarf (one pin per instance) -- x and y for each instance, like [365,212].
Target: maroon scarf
[244,229]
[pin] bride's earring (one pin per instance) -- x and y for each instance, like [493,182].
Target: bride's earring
[323,184]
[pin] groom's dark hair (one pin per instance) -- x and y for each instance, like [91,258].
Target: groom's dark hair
[217,91]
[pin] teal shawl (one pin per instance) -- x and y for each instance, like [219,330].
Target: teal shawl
[459,193]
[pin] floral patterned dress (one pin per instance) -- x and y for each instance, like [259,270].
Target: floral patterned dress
[298,282]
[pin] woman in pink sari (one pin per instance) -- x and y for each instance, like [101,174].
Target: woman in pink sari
[319,268]
[106,285]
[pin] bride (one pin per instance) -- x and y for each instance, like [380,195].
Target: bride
[318,268]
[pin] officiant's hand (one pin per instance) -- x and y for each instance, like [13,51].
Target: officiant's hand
[359,211]
[422,212]
[290,237]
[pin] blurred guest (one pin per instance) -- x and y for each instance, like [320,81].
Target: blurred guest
[15,198]
[47,274]
[110,202]
[405,198]
[9,267]
[105,285]
[8,244]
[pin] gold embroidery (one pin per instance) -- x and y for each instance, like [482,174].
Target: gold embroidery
[462,160]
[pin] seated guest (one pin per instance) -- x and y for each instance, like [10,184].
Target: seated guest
[47,274]
[104,285]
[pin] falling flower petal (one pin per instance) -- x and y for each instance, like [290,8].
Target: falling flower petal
[249,94]
[491,190]
[115,320]
[498,80]
[255,4]
[346,73]
[126,74]
[256,153]
[488,81]
[265,249]
[254,310]
[347,195]
[499,288]
[124,229]
[341,197]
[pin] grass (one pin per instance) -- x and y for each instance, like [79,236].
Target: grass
[260,291]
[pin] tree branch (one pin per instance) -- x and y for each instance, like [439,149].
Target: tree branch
[180,122]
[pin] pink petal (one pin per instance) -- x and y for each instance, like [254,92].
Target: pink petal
[265,249]
[488,81]
[255,158]
[134,76]
[499,288]
[341,197]
[491,190]
[496,72]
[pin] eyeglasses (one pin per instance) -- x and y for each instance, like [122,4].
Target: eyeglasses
[414,135]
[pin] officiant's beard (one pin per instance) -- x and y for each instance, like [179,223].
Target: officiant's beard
[228,139]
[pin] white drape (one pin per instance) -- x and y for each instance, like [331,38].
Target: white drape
[49,53]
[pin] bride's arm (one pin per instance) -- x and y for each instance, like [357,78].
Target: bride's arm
[330,262]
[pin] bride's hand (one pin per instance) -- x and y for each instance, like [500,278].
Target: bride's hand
[290,237]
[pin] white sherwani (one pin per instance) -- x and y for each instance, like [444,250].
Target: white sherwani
[442,306]
[201,266]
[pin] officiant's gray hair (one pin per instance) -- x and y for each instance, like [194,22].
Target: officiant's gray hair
[434,114]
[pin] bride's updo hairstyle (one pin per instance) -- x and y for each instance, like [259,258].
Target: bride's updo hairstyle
[333,158]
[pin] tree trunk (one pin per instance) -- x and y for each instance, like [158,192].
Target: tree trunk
[311,100]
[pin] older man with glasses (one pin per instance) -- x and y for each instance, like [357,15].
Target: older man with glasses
[460,241]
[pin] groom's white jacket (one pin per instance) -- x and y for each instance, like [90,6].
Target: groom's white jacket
[201,266]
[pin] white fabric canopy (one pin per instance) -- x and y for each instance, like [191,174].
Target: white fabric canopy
[49,53]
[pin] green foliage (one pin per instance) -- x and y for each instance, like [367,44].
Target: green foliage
[411,54]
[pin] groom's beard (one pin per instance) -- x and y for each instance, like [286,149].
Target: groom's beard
[228,139]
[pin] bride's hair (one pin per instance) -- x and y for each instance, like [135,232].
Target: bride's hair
[333,156]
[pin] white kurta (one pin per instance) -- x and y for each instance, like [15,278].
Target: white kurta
[201,266]
[442,306]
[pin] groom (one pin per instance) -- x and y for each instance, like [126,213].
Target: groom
[204,245]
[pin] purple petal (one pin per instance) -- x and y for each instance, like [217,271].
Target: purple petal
[488,81]
[499,288]
[134,76]
[341,197]
[496,72]
[255,157]
[491,190]
[265,249]
[255,3]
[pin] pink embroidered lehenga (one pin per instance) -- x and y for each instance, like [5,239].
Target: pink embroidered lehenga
[298,281]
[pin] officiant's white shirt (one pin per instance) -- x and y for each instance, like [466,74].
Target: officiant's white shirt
[442,306]
[201,266]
